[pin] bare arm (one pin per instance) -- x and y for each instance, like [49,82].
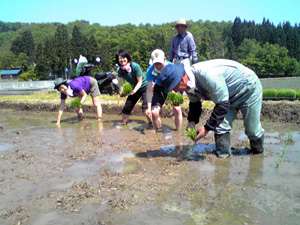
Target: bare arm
[122,81]
[138,85]
[61,110]
[83,96]
[149,95]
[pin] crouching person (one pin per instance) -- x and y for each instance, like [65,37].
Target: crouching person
[232,87]
[79,87]
[156,94]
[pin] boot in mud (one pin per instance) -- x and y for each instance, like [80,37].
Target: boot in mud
[257,146]
[223,148]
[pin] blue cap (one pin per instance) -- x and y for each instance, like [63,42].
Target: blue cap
[170,76]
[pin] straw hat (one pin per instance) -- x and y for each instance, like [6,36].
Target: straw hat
[181,21]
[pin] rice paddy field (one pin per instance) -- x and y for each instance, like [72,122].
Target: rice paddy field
[281,83]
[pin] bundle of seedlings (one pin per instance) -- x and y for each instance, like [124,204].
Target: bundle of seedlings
[191,133]
[127,88]
[175,98]
[76,103]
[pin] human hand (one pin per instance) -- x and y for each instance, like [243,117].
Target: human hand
[190,125]
[131,93]
[202,132]
[148,113]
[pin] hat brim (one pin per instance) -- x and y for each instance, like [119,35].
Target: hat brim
[57,85]
[174,27]
[159,60]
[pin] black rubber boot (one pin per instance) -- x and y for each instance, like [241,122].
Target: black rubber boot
[223,148]
[257,146]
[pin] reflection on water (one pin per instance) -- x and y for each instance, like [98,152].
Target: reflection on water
[81,170]
[5,146]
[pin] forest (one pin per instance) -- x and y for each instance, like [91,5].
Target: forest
[43,50]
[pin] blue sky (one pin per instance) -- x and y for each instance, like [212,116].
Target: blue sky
[114,12]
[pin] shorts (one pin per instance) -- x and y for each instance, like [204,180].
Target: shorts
[159,96]
[94,89]
[133,99]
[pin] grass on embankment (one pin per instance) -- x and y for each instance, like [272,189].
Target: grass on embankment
[53,97]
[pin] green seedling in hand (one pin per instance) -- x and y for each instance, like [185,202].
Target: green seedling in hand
[127,88]
[175,98]
[191,133]
[76,103]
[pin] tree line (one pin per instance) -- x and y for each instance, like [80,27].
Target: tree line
[45,49]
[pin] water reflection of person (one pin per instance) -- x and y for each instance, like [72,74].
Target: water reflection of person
[79,87]
[238,171]
[82,127]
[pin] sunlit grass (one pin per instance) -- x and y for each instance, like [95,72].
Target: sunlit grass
[53,97]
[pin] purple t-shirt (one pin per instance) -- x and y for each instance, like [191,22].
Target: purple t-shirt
[77,85]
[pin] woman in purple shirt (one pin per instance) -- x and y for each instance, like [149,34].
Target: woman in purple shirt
[79,87]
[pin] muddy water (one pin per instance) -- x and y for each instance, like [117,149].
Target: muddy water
[105,173]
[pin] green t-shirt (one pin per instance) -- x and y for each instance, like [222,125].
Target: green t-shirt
[131,77]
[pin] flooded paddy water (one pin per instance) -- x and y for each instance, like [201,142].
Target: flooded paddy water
[106,173]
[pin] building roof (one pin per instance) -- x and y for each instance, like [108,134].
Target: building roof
[10,72]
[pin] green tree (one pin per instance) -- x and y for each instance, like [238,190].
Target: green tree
[16,46]
[93,50]
[62,48]
[28,45]
[24,44]
[8,60]
[78,43]
[237,36]
[41,68]
[28,76]
[267,59]
[23,62]
[49,56]
[204,46]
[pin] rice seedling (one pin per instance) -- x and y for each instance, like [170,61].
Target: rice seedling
[191,133]
[75,103]
[284,151]
[127,88]
[175,98]
[234,130]
[247,144]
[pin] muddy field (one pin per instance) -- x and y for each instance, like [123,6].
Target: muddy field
[283,111]
[106,173]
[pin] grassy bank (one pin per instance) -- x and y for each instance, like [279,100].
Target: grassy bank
[53,97]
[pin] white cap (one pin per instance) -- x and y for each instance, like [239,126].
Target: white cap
[158,56]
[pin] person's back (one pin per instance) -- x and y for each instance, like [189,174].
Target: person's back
[236,75]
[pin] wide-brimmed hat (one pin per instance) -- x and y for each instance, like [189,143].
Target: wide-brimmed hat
[181,21]
[170,76]
[157,56]
[59,82]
